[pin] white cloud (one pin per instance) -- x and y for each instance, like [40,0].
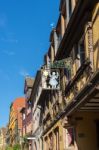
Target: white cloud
[9,53]
[52,24]
[9,40]
[23,73]
[9,37]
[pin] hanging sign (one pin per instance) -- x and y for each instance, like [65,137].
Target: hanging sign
[50,79]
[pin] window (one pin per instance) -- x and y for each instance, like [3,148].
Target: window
[81,51]
[56,139]
[70,137]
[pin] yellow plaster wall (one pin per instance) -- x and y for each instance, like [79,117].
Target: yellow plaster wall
[87,129]
[95,20]
[12,125]
[57,125]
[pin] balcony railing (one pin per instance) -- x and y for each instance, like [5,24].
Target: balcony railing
[79,81]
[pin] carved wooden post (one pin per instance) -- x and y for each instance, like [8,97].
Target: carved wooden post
[90,44]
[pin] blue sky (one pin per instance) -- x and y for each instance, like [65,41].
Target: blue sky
[25,27]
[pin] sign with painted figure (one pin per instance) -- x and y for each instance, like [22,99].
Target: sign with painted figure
[50,79]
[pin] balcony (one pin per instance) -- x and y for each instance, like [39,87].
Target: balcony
[81,78]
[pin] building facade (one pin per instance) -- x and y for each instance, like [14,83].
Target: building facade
[37,126]
[3,138]
[73,111]
[15,121]
[26,112]
[70,113]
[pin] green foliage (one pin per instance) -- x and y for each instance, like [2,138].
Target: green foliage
[17,147]
[9,148]
[25,140]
